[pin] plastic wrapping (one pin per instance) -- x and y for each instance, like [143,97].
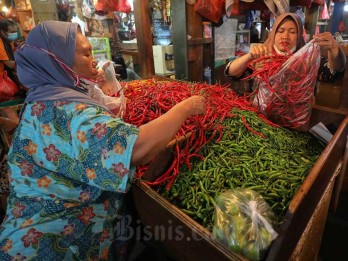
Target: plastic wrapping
[88,8]
[243,222]
[124,6]
[287,97]
[115,101]
[210,9]
[7,87]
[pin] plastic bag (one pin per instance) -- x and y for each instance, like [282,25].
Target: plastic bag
[243,222]
[8,88]
[287,97]
[107,5]
[324,12]
[210,9]
[116,102]
[88,8]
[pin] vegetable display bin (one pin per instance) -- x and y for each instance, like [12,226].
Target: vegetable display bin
[300,233]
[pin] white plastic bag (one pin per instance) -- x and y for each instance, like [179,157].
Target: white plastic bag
[88,8]
[116,101]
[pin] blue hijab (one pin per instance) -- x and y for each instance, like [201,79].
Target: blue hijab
[44,77]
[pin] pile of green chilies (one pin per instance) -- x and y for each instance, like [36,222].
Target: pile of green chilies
[274,164]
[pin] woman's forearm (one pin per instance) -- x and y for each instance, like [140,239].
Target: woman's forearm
[337,59]
[155,135]
[238,66]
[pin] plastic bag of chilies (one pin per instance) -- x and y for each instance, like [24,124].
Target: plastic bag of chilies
[287,97]
[243,221]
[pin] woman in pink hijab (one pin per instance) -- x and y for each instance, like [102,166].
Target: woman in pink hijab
[287,36]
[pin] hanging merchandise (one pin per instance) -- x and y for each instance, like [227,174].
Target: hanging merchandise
[301,14]
[107,5]
[341,26]
[124,6]
[210,9]
[8,88]
[324,15]
[88,8]
[12,13]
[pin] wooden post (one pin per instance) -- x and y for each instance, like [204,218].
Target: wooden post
[179,34]
[142,15]
[312,16]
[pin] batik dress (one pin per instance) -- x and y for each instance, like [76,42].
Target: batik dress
[69,171]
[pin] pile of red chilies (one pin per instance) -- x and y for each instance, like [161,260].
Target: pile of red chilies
[149,99]
[292,86]
[270,66]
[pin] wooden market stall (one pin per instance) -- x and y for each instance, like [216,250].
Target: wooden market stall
[301,233]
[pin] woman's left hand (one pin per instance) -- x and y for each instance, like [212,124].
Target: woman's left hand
[325,40]
[101,79]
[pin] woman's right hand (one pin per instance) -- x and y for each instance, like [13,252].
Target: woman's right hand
[154,136]
[257,51]
[194,105]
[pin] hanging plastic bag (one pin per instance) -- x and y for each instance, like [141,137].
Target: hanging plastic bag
[88,8]
[341,26]
[210,9]
[243,221]
[107,5]
[115,101]
[286,97]
[124,6]
[8,88]
[324,12]
[12,12]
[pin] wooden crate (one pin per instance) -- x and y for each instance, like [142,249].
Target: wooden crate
[303,222]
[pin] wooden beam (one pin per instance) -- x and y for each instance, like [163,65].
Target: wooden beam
[179,34]
[142,14]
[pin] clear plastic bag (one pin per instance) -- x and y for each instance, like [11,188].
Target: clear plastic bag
[88,8]
[116,101]
[243,222]
[287,97]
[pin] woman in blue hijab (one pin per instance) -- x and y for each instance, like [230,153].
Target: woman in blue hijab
[72,161]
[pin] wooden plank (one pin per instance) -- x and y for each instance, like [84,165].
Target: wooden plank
[183,237]
[310,241]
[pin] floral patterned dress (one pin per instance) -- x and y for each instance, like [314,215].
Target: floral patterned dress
[3,164]
[69,171]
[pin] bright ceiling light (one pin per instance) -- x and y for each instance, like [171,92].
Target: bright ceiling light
[345,8]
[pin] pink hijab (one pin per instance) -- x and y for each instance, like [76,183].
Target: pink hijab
[300,42]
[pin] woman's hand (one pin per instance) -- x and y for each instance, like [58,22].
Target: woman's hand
[101,79]
[155,135]
[257,51]
[336,56]
[194,105]
[326,41]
